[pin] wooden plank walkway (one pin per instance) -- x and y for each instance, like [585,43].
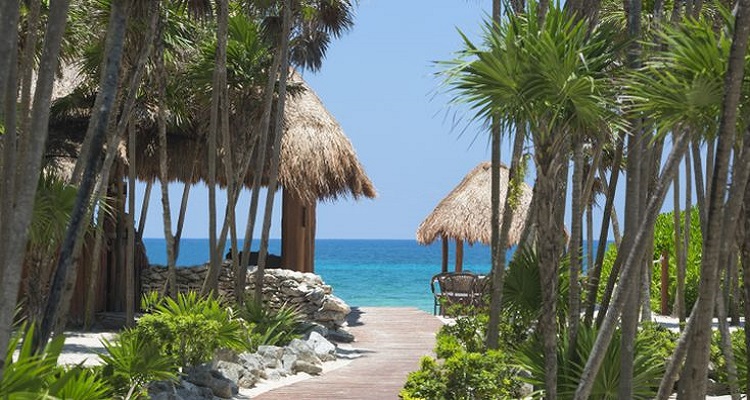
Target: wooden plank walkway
[391,341]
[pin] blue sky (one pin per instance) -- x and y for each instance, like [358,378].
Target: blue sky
[378,81]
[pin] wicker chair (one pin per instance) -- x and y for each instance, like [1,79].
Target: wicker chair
[453,288]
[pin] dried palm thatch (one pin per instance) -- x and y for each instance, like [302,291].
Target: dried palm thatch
[465,213]
[318,162]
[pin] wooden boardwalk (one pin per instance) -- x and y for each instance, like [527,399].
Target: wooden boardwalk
[391,341]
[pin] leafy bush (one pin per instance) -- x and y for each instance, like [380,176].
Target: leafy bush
[463,376]
[467,333]
[132,362]
[720,373]
[648,365]
[275,328]
[425,383]
[190,328]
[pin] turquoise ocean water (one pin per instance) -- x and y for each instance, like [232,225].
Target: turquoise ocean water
[361,272]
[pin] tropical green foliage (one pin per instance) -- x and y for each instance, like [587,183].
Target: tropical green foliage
[664,243]
[131,362]
[30,375]
[648,365]
[552,76]
[272,327]
[522,291]
[681,86]
[463,376]
[190,328]
[719,372]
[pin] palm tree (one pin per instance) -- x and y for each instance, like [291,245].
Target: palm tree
[78,220]
[519,77]
[721,218]
[694,80]
[16,213]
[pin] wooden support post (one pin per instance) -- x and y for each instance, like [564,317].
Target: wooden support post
[459,255]
[444,265]
[664,283]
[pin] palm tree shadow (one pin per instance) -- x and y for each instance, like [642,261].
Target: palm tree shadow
[355,317]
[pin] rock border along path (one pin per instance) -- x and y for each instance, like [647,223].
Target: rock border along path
[390,341]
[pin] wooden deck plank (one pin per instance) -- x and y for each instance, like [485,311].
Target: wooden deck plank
[391,339]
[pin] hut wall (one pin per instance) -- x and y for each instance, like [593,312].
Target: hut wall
[297,234]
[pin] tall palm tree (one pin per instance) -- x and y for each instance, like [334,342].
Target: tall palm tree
[312,26]
[78,219]
[721,218]
[519,77]
[693,79]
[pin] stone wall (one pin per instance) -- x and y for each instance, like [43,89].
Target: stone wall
[306,291]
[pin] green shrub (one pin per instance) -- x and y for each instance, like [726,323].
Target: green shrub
[275,328]
[648,366]
[131,362]
[470,375]
[426,383]
[720,373]
[467,332]
[463,376]
[191,328]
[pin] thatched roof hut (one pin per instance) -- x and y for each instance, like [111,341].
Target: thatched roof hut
[318,162]
[465,213]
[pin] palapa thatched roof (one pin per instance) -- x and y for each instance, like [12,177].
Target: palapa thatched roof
[465,213]
[318,162]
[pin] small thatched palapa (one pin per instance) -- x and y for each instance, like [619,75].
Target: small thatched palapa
[465,214]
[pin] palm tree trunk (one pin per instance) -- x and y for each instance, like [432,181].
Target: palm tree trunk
[745,257]
[181,219]
[130,267]
[551,178]
[279,132]
[78,218]
[265,124]
[27,63]
[144,209]
[726,347]
[211,284]
[720,218]
[630,269]
[595,274]
[163,169]
[126,121]
[574,250]
[680,310]
[498,253]
[700,193]
[496,246]
[8,94]
[632,216]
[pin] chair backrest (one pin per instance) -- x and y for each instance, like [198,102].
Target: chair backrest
[438,278]
[458,282]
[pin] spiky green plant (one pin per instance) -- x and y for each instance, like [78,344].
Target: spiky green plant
[273,327]
[132,361]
